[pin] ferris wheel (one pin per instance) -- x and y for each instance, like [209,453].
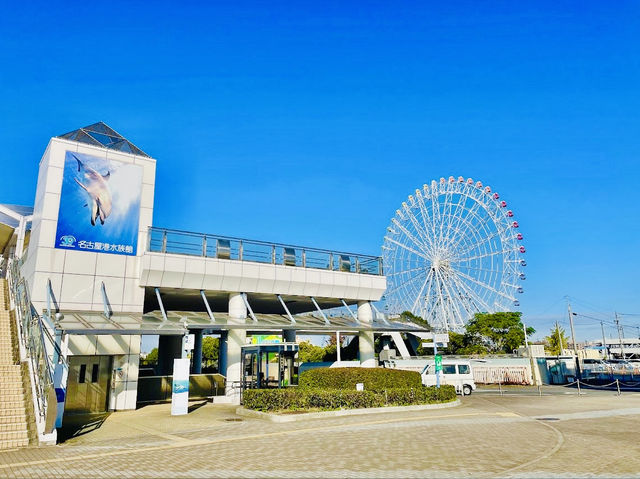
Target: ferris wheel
[452,250]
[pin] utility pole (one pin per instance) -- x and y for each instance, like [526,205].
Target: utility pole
[620,336]
[604,341]
[573,340]
[526,340]
[559,339]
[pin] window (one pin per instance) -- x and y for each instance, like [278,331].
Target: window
[463,369]
[449,368]
[82,373]
[94,374]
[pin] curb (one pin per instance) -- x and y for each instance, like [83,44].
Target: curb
[241,411]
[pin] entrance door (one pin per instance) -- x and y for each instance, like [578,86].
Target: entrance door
[88,384]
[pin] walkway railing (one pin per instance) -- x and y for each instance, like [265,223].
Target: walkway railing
[163,240]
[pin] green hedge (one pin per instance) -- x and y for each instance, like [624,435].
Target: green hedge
[327,399]
[374,379]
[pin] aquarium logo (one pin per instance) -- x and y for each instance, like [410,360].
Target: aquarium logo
[180,386]
[67,241]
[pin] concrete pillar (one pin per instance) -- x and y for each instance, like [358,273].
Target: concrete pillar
[235,339]
[222,352]
[237,308]
[169,348]
[196,367]
[289,335]
[230,348]
[365,338]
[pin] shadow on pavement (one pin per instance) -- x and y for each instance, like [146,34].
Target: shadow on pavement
[78,424]
[195,406]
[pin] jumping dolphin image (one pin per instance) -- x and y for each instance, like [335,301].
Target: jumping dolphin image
[98,190]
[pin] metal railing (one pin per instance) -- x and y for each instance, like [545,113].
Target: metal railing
[162,240]
[36,339]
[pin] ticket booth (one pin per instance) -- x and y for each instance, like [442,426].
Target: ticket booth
[269,365]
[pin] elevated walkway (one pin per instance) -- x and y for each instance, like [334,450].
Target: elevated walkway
[182,264]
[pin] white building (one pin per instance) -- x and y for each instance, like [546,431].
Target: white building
[100,275]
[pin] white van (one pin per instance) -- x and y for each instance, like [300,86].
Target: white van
[456,372]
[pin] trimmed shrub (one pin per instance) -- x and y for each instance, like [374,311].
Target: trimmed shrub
[329,399]
[422,395]
[374,379]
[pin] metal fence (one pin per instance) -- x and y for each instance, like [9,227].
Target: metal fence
[163,240]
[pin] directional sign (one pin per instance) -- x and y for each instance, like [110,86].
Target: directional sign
[441,337]
[438,362]
[189,341]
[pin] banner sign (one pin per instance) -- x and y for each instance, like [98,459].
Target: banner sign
[180,387]
[99,205]
[438,359]
[266,339]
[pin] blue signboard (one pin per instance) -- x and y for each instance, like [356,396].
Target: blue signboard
[99,205]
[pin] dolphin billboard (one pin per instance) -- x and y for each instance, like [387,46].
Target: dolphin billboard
[99,205]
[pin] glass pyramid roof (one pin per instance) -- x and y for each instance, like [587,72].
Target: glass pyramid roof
[99,134]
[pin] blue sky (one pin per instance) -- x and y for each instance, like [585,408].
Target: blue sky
[309,123]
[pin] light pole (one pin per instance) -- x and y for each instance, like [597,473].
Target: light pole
[604,341]
[620,336]
[573,339]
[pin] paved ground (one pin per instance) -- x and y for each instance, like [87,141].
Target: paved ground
[488,435]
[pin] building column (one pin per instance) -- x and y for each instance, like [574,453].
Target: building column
[289,335]
[235,339]
[231,343]
[196,367]
[169,348]
[365,338]
[237,308]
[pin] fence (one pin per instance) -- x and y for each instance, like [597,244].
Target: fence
[502,374]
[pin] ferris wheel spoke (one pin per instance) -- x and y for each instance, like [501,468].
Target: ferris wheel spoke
[485,286]
[482,256]
[409,235]
[421,232]
[399,285]
[472,295]
[419,296]
[443,318]
[427,220]
[422,255]
[406,271]
[497,233]
[465,300]
[471,225]
[454,214]
[453,302]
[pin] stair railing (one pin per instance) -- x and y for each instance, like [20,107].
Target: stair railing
[37,345]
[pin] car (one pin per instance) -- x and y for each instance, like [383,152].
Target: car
[455,372]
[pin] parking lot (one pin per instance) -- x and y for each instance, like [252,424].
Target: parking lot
[518,433]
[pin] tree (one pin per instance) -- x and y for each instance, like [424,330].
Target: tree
[151,358]
[556,341]
[497,332]
[408,316]
[210,349]
[310,353]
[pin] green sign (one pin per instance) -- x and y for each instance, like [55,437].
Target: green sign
[438,363]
